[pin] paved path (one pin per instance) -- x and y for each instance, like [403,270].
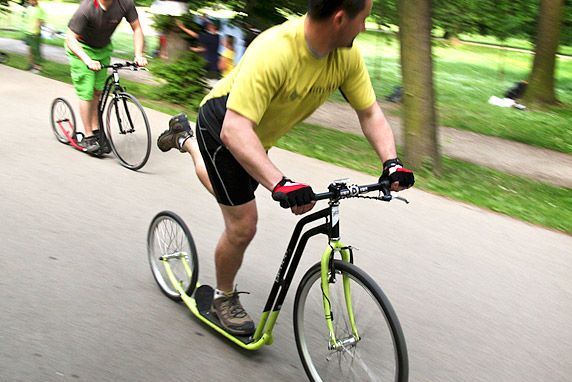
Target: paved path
[501,154]
[504,155]
[481,297]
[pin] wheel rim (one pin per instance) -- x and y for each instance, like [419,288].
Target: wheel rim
[129,134]
[63,119]
[372,358]
[166,238]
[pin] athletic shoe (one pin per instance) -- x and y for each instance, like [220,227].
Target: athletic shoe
[102,141]
[232,315]
[90,144]
[175,136]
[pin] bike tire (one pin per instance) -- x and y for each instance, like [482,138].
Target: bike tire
[168,234]
[376,321]
[62,117]
[128,131]
[3,58]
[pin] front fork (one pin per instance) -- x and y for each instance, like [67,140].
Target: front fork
[328,275]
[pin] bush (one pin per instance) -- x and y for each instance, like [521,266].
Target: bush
[185,79]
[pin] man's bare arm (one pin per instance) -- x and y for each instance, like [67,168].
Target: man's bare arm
[138,43]
[72,42]
[378,132]
[239,137]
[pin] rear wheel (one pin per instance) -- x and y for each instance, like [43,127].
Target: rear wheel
[63,120]
[169,240]
[128,131]
[371,350]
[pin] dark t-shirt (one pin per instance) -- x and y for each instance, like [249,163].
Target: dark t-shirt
[210,42]
[95,25]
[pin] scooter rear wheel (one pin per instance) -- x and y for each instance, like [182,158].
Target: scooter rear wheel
[169,241]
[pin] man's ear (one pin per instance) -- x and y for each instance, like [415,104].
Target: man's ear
[339,18]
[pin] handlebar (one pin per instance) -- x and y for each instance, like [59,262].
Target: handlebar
[341,189]
[124,65]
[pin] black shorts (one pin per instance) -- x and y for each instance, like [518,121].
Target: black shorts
[231,183]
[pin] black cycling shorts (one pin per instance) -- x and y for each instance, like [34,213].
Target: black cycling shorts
[231,183]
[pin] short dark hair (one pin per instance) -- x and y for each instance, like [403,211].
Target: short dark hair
[322,9]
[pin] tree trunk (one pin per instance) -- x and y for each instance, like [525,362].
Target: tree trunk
[540,88]
[419,114]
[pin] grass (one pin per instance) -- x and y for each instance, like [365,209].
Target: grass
[465,77]
[510,42]
[514,196]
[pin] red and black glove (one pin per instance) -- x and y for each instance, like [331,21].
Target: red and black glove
[291,194]
[395,172]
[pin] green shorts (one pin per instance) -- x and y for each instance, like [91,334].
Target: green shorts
[85,81]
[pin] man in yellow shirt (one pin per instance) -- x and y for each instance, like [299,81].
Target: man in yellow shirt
[286,73]
[34,19]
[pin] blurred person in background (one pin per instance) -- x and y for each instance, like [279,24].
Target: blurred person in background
[209,41]
[226,61]
[34,17]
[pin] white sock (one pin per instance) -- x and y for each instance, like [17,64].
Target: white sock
[219,293]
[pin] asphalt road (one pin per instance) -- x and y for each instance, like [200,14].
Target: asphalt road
[481,297]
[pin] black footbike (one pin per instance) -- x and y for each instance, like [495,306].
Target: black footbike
[344,325]
[123,124]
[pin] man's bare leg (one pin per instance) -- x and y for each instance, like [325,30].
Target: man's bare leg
[88,114]
[192,147]
[240,228]
[93,110]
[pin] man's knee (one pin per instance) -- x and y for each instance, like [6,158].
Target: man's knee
[241,228]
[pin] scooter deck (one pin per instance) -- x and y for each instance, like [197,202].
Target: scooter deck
[204,297]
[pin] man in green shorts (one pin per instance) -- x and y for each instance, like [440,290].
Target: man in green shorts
[284,76]
[34,19]
[88,45]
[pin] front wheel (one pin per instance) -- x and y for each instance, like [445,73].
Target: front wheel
[127,129]
[169,241]
[372,348]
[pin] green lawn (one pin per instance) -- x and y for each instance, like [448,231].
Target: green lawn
[465,77]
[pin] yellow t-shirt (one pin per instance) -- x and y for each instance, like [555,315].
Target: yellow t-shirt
[229,55]
[279,82]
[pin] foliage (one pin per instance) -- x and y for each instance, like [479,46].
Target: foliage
[263,14]
[385,12]
[166,22]
[184,79]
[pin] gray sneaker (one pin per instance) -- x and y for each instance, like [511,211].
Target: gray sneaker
[90,144]
[232,315]
[175,136]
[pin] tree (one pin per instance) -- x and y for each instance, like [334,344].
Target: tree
[263,14]
[540,88]
[419,114]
